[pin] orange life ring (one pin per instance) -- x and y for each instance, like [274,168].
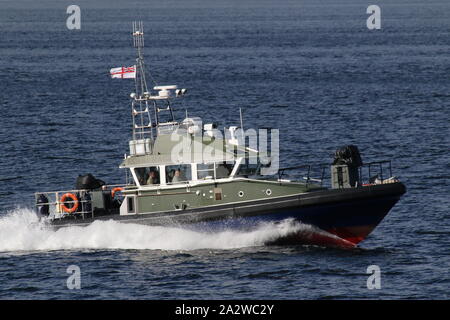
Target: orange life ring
[75,202]
[114,190]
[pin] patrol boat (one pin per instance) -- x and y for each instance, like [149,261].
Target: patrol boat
[192,175]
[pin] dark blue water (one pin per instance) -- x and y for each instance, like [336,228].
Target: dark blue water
[309,68]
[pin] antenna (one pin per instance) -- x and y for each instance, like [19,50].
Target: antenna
[242,125]
[138,34]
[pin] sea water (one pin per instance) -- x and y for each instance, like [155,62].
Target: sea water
[311,69]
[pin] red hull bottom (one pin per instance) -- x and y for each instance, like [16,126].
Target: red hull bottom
[317,237]
[345,238]
[352,234]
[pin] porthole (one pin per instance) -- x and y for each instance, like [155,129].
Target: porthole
[268,192]
[241,194]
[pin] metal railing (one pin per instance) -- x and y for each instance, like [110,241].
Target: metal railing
[306,171]
[369,173]
[369,169]
[53,205]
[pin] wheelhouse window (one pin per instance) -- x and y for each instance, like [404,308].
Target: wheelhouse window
[247,169]
[148,175]
[205,171]
[223,170]
[178,173]
[217,170]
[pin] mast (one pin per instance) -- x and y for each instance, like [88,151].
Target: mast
[138,40]
[145,129]
[142,120]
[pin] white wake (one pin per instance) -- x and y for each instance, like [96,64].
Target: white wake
[21,230]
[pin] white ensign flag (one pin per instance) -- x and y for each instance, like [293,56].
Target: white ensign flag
[123,72]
